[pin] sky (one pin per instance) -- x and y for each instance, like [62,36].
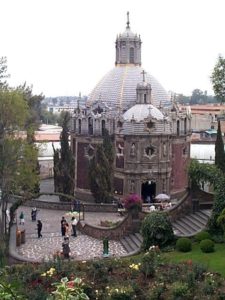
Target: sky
[63,47]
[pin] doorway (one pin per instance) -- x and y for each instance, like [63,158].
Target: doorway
[148,188]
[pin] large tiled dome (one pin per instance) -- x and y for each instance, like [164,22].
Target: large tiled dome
[118,88]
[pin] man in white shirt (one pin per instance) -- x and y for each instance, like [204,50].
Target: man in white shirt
[74,224]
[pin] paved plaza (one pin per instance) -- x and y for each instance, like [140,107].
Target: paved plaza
[82,247]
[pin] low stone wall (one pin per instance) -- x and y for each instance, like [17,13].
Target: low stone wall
[88,207]
[180,209]
[203,196]
[112,233]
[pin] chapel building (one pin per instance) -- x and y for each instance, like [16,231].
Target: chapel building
[151,134]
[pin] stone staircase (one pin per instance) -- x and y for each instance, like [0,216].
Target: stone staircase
[192,223]
[132,243]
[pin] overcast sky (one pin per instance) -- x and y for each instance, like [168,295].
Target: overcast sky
[63,47]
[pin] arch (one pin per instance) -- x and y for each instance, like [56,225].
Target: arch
[185,125]
[74,125]
[103,126]
[148,188]
[79,126]
[90,126]
[178,127]
[131,55]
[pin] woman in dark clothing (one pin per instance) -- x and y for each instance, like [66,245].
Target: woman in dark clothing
[66,248]
[39,228]
[63,228]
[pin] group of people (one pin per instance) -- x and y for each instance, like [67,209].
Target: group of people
[33,218]
[65,230]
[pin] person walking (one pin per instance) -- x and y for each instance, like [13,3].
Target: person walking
[66,248]
[34,214]
[22,220]
[39,228]
[74,224]
[63,228]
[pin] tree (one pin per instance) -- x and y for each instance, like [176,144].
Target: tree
[3,71]
[18,156]
[101,170]
[64,162]
[219,150]
[218,79]
[197,97]
[99,180]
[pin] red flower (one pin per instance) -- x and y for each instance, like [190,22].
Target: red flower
[70,284]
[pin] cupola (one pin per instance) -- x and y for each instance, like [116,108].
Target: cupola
[128,47]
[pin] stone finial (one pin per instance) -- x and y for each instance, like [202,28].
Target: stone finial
[128,21]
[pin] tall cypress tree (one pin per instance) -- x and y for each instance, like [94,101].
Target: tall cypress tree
[64,163]
[101,170]
[219,150]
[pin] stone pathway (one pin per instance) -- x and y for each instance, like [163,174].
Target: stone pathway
[82,247]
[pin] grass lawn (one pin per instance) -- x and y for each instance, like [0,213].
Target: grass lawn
[214,261]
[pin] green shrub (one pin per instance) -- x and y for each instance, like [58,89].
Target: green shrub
[149,262]
[121,293]
[199,270]
[180,290]
[156,229]
[207,246]
[183,244]
[203,235]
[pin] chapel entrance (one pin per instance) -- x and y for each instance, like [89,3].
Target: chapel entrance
[148,188]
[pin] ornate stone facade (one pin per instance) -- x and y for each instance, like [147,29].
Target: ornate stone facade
[151,134]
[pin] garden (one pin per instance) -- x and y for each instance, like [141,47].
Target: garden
[166,268]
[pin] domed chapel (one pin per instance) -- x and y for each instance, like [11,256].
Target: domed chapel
[151,134]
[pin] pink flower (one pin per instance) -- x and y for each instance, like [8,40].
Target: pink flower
[132,200]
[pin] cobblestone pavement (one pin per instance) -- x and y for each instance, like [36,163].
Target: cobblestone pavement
[82,247]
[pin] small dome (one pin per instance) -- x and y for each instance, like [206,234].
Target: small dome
[140,112]
[128,33]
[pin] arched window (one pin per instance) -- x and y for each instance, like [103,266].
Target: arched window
[131,55]
[74,125]
[90,126]
[103,126]
[79,126]
[145,98]
[178,127]
[185,125]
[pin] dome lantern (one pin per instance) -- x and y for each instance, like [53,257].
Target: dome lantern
[144,91]
[128,47]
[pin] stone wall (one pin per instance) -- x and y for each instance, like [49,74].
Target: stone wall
[112,233]
[87,207]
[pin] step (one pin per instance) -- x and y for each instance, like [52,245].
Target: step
[194,221]
[199,219]
[185,227]
[204,218]
[126,245]
[179,227]
[135,240]
[188,222]
[131,243]
[207,212]
[139,237]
